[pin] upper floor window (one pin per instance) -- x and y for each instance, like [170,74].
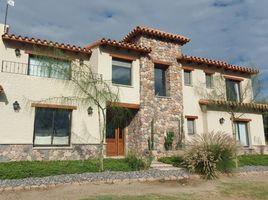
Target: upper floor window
[121,71]
[49,67]
[209,80]
[187,77]
[233,90]
[52,127]
[160,78]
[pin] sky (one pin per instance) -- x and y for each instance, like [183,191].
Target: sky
[235,31]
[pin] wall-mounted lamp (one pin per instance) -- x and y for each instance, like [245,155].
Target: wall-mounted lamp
[17,52]
[16,106]
[222,120]
[90,110]
[81,61]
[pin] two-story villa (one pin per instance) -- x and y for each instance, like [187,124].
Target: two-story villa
[154,79]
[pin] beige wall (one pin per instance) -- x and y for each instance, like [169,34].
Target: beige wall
[209,121]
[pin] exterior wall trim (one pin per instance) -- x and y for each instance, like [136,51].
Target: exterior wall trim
[126,105]
[188,68]
[233,78]
[160,62]
[208,72]
[39,105]
[125,57]
[242,120]
[191,117]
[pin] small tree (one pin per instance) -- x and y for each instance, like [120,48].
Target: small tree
[89,88]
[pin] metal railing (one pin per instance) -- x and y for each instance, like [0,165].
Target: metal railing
[43,71]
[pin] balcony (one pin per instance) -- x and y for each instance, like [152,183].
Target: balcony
[45,70]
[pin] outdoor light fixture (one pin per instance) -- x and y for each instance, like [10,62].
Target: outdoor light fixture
[16,106]
[222,120]
[17,52]
[90,110]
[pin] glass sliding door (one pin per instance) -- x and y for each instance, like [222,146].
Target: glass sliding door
[242,133]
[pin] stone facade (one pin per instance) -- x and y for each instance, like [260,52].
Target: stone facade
[28,152]
[165,111]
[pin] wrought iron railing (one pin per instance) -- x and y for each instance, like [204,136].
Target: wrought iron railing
[43,71]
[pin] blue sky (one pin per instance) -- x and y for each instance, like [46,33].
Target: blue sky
[235,31]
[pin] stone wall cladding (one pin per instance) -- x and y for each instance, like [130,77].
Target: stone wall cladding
[19,152]
[165,110]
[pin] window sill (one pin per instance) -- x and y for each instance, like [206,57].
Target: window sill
[53,148]
[188,85]
[120,85]
[163,97]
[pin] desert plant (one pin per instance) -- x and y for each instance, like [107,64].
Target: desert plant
[210,153]
[169,141]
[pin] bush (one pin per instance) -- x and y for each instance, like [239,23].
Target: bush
[135,163]
[175,161]
[210,153]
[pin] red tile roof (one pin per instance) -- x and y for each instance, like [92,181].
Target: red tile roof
[1,89]
[143,30]
[252,106]
[218,64]
[67,47]
[119,44]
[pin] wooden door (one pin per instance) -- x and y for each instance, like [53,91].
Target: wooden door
[115,139]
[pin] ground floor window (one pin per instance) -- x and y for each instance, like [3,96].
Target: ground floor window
[191,126]
[52,127]
[242,133]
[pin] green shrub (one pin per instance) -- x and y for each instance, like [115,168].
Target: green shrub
[169,140]
[175,161]
[209,154]
[134,162]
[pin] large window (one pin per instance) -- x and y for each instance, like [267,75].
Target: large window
[121,72]
[233,90]
[49,67]
[52,127]
[160,73]
[187,77]
[242,133]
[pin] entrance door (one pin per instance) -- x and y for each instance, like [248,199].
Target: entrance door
[115,139]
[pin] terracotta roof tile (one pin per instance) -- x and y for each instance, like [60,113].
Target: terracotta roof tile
[119,44]
[253,106]
[140,30]
[68,47]
[218,64]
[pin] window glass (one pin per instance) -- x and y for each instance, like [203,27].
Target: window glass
[191,126]
[232,90]
[160,81]
[187,77]
[209,80]
[242,133]
[49,67]
[121,72]
[52,127]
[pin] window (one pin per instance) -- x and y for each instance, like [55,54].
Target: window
[233,90]
[191,126]
[242,133]
[49,67]
[121,72]
[187,77]
[52,127]
[209,80]
[160,73]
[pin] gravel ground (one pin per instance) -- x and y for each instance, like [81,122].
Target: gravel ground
[92,177]
[104,176]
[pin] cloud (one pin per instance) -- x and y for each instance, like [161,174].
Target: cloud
[232,30]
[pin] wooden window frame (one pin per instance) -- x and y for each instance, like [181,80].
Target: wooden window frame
[131,71]
[191,77]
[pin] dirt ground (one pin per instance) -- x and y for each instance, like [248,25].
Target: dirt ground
[71,192]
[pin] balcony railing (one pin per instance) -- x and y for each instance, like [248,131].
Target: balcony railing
[42,71]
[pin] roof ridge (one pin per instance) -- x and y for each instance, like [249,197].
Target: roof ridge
[45,42]
[220,63]
[156,32]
